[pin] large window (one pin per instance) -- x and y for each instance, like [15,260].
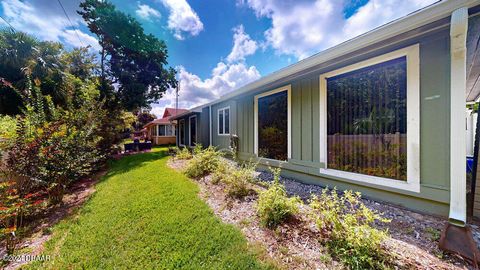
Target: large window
[165,130]
[272,126]
[364,118]
[224,121]
[181,132]
[193,130]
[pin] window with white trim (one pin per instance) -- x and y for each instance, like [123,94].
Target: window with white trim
[224,121]
[365,134]
[193,130]
[165,131]
[272,124]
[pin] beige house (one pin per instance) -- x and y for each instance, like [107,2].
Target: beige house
[162,131]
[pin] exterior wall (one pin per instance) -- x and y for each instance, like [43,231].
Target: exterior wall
[223,141]
[204,124]
[157,140]
[201,126]
[434,125]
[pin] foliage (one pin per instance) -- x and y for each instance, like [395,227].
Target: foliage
[7,131]
[238,181]
[165,217]
[130,57]
[183,154]
[345,224]
[203,162]
[273,206]
[142,119]
[14,209]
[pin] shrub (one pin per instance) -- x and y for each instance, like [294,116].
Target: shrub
[203,163]
[345,224]
[274,207]
[183,154]
[238,181]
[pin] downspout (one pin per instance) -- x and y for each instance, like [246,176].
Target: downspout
[210,125]
[458,182]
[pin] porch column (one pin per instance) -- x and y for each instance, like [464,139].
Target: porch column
[458,183]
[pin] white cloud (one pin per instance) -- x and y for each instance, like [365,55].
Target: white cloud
[243,45]
[47,22]
[225,77]
[147,12]
[182,18]
[303,27]
[194,91]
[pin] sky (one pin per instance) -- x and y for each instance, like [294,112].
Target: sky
[218,46]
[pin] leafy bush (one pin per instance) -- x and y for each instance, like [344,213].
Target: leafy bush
[203,163]
[273,206]
[238,181]
[345,224]
[183,154]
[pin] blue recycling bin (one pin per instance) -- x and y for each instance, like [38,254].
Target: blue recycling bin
[469,164]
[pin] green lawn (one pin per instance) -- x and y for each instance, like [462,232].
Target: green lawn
[145,215]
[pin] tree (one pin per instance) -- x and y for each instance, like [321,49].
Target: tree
[133,60]
[143,118]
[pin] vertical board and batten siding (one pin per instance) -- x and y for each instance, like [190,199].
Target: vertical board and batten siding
[434,127]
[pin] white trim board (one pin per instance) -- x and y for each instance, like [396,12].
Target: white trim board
[190,130]
[412,184]
[229,122]
[287,88]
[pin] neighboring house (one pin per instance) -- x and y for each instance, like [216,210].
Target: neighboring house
[162,131]
[382,113]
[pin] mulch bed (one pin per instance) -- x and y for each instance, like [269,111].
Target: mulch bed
[413,237]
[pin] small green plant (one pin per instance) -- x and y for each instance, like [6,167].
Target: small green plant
[345,224]
[197,149]
[183,154]
[203,163]
[238,181]
[273,206]
[432,233]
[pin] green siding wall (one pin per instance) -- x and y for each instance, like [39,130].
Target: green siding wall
[223,141]
[434,126]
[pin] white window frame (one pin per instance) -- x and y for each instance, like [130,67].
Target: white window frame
[190,130]
[180,122]
[287,88]
[218,121]
[412,184]
[165,130]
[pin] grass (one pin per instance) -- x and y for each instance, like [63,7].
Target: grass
[145,215]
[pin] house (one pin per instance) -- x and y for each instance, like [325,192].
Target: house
[161,131]
[382,113]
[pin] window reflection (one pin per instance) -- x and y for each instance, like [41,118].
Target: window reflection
[367,124]
[273,126]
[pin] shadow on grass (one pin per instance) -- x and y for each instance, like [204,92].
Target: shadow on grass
[134,161]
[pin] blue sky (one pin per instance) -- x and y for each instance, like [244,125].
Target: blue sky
[218,46]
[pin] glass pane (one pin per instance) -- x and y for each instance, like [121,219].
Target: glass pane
[161,130]
[227,121]
[366,121]
[273,126]
[193,131]
[220,122]
[169,130]
[182,132]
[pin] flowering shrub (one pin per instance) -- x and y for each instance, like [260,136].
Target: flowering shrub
[273,206]
[345,224]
